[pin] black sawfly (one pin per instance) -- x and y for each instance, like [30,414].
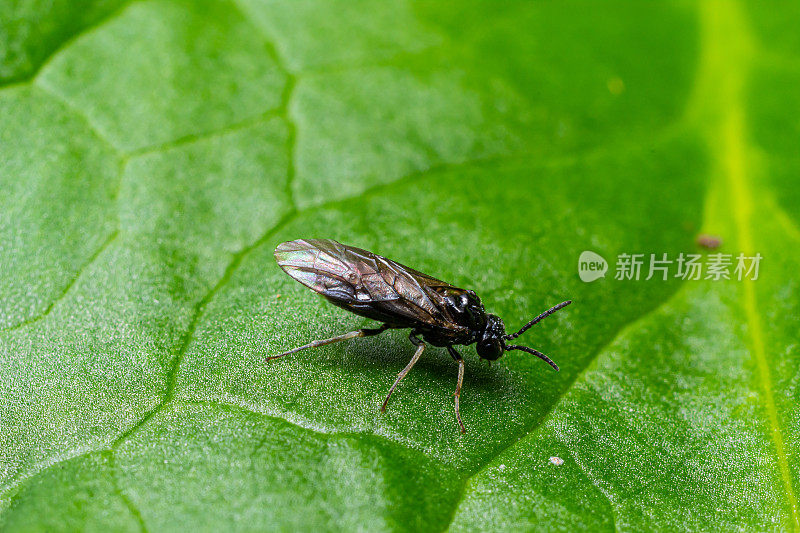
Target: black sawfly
[399,297]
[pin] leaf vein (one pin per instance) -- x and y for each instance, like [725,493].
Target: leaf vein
[596,482]
[137,515]
[92,258]
[79,112]
[66,43]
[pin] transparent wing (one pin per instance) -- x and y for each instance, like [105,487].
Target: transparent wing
[366,283]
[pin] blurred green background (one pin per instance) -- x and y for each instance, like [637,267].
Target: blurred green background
[153,153]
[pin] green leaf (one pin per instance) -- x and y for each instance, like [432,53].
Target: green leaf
[155,153]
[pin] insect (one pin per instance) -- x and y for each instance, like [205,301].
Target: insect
[710,242]
[399,297]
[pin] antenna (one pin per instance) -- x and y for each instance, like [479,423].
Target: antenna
[525,328]
[537,353]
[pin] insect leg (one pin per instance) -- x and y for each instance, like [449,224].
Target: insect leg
[402,374]
[364,332]
[460,360]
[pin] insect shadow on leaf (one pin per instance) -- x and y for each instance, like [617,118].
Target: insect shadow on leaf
[400,297]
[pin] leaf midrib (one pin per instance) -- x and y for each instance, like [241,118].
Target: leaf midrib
[728,58]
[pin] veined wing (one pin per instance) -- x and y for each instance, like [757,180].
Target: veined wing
[366,283]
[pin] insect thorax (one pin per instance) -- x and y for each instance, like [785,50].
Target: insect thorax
[466,310]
